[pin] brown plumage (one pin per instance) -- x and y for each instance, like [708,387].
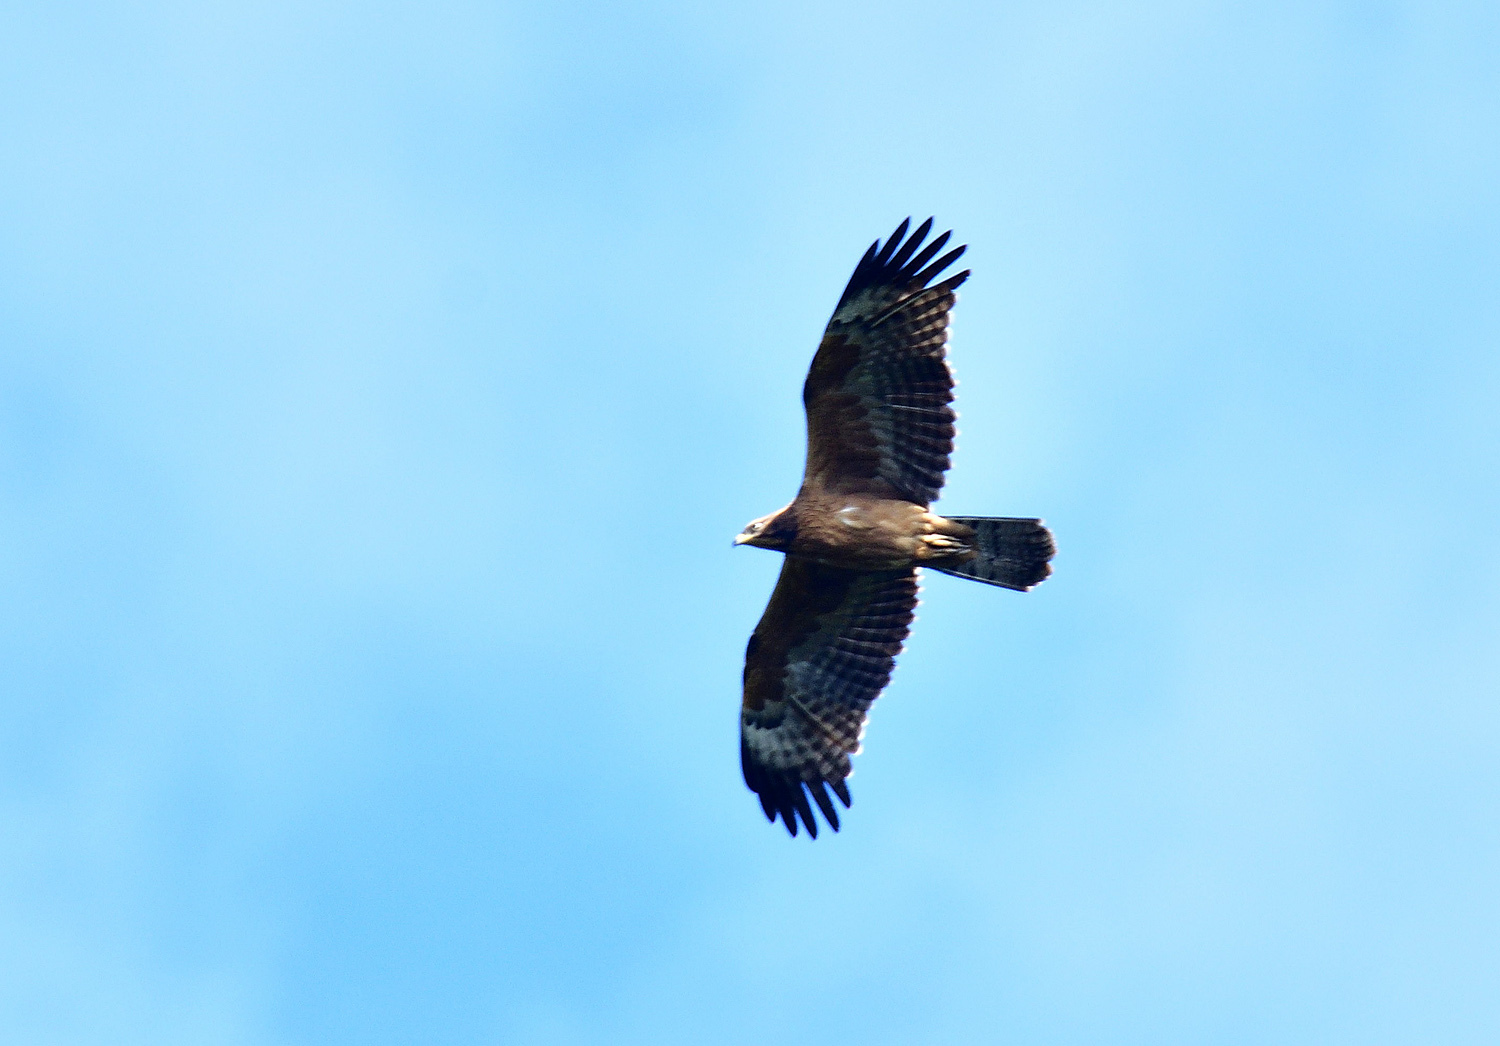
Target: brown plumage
[879,434]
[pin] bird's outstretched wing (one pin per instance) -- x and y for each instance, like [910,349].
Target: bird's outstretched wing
[821,655]
[878,396]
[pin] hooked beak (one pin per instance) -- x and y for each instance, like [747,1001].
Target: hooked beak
[740,539]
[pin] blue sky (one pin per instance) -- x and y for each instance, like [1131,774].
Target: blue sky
[381,386]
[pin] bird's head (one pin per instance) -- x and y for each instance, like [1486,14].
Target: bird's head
[774,531]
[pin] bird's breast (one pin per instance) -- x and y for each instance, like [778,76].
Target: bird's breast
[858,533]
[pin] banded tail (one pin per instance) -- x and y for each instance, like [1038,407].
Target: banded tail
[1011,553]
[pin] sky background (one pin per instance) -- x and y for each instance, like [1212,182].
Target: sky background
[381,386]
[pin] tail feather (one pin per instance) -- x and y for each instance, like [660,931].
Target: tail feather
[1011,553]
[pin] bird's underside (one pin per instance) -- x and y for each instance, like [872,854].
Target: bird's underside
[880,428]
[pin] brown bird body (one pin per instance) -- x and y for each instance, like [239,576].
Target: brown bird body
[862,532]
[880,428]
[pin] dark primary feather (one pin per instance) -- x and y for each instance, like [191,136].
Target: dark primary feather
[821,655]
[879,391]
[888,268]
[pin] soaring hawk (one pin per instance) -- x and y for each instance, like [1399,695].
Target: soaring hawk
[879,433]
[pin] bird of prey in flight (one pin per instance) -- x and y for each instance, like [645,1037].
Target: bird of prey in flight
[879,433]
